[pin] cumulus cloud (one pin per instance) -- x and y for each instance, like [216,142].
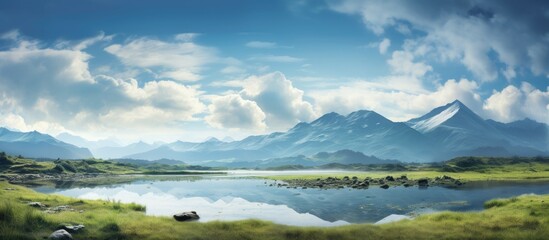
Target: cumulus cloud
[472,32]
[233,112]
[512,103]
[275,96]
[45,88]
[282,103]
[181,61]
[384,45]
[402,62]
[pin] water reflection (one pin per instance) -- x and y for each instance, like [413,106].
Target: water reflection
[226,208]
[243,198]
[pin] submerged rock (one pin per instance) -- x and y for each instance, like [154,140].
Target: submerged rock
[384,186]
[61,234]
[186,216]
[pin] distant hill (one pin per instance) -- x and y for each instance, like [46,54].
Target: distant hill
[114,152]
[82,142]
[37,145]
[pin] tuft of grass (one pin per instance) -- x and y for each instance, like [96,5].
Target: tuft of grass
[137,207]
[499,202]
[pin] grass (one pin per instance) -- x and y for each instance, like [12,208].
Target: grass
[19,165]
[464,168]
[523,217]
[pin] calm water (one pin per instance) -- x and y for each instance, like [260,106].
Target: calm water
[231,198]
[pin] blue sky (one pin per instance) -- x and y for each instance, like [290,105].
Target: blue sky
[188,70]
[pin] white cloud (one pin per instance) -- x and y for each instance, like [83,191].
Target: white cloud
[512,103]
[186,37]
[384,45]
[260,44]
[278,58]
[233,112]
[48,88]
[402,62]
[14,121]
[11,35]
[181,61]
[281,103]
[471,32]
[81,45]
[394,104]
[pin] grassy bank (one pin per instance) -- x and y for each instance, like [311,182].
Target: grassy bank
[525,217]
[20,165]
[464,168]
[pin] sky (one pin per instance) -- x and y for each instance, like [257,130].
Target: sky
[189,70]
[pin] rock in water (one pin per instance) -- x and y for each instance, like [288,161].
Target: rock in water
[423,182]
[186,216]
[60,235]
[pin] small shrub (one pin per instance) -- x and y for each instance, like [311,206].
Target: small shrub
[137,207]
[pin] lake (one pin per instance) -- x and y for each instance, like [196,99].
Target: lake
[237,196]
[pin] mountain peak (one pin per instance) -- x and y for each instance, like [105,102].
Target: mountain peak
[440,115]
[328,118]
[212,139]
[457,102]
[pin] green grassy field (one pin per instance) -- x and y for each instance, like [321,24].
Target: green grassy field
[524,217]
[465,169]
[19,165]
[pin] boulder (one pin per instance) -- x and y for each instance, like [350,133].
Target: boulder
[447,177]
[186,216]
[384,186]
[423,182]
[71,228]
[390,178]
[60,235]
[36,204]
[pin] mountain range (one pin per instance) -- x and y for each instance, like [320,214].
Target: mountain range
[37,145]
[443,133]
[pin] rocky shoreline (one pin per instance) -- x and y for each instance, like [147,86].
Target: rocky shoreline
[355,182]
[29,178]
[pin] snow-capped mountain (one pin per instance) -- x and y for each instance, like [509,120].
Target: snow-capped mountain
[445,132]
[363,131]
[462,132]
[37,145]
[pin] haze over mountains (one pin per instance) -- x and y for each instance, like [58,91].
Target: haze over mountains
[445,132]
[37,145]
